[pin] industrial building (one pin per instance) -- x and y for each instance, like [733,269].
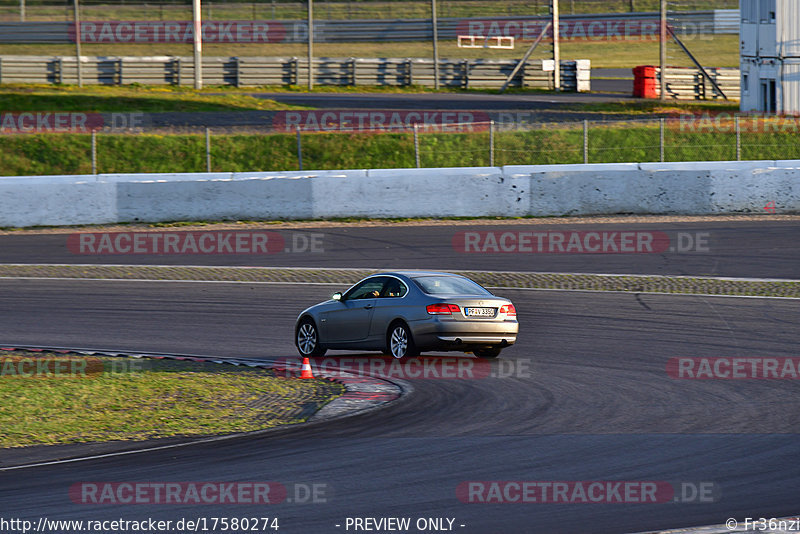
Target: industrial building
[770,56]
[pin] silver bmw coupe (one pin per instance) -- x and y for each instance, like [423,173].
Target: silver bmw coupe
[405,313]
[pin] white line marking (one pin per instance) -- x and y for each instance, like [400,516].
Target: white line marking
[505,288]
[386,270]
[172,281]
[337,284]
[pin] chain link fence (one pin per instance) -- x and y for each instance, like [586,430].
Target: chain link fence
[451,144]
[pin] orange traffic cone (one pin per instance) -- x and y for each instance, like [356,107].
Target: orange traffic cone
[306,373]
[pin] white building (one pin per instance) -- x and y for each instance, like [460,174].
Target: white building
[770,56]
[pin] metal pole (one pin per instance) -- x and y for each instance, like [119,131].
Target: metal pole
[697,64]
[585,141]
[94,151]
[662,50]
[198,44]
[738,139]
[208,149]
[310,45]
[491,143]
[78,42]
[556,46]
[525,58]
[435,25]
[661,137]
[299,150]
[416,144]
[22,10]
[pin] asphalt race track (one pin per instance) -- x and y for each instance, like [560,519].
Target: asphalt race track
[593,403]
[463,101]
[585,395]
[756,249]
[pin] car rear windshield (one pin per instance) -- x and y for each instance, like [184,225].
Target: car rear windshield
[449,285]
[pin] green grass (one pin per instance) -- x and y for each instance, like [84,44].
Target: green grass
[381,9]
[546,144]
[711,50]
[101,99]
[153,399]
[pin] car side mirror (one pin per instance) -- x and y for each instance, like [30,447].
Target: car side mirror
[337,296]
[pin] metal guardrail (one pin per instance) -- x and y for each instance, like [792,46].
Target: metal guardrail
[255,71]
[690,84]
[596,26]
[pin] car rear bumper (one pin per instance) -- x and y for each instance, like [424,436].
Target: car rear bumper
[479,340]
[456,335]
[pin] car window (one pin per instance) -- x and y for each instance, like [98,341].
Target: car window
[393,288]
[368,289]
[449,285]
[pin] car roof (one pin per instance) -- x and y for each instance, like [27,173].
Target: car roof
[412,274]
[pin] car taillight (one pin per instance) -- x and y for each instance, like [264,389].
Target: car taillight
[508,309]
[442,309]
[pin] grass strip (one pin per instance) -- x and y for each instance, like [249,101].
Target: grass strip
[374,9]
[569,281]
[45,154]
[128,99]
[720,50]
[105,399]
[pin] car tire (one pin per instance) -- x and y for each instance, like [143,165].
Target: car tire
[488,354]
[307,341]
[399,343]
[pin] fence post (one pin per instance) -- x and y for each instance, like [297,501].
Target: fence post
[299,150]
[435,37]
[208,149]
[77,17]
[585,141]
[738,139]
[416,144]
[491,143]
[94,151]
[661,138]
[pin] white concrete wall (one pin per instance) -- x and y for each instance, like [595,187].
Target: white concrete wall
[544,190]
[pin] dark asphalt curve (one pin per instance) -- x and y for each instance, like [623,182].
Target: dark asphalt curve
[755,249]
[588,399]
[541,102]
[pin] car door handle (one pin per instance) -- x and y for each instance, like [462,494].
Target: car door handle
[368,307]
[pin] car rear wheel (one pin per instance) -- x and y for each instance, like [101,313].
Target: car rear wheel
[400,343]
[489,353]
[307,340]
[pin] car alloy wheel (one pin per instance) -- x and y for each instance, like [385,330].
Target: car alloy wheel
[308,340]
[401,346]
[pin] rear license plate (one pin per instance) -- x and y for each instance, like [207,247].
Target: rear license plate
[479,312]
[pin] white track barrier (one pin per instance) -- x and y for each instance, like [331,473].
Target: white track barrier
[692,188]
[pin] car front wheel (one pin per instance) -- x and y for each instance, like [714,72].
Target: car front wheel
[400,343]
[307,340]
